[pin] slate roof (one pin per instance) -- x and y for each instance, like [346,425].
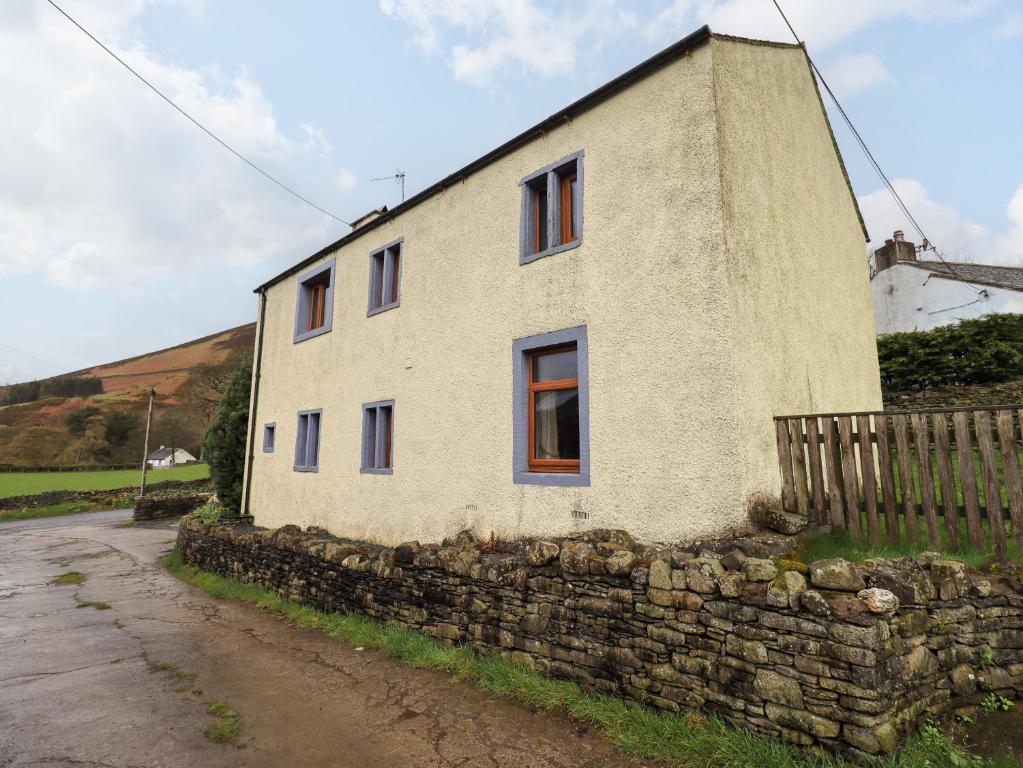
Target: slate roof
[163,453]
[978,274]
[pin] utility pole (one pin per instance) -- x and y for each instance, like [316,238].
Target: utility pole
[145,447]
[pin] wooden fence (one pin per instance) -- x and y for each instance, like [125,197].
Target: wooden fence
[894,475]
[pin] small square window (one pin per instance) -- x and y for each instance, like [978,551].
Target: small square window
[269,437]
[378,438]
[552,209]
[385,277]
[307,441]
[314,307]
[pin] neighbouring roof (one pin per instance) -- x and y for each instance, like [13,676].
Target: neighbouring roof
[165,453]
[979,274]
[590,100]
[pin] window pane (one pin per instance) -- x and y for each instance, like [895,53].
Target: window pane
[567,207]
[556,424]
[555,365]
[385,424]
[376,280]
[540,220]
[395,271]
[370,439]
[313,440]
[300,440]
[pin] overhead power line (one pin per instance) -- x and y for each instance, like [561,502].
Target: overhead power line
[870,156]
[199,125]
[32,357]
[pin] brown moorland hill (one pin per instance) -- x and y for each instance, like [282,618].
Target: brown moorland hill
[167,369]
[38,433]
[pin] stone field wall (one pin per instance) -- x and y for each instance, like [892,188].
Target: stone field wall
[850,657]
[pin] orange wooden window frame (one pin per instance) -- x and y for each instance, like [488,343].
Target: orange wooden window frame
[388,416]
[317,304]
[547,465]
[396,268]
[567,209]
[537,194]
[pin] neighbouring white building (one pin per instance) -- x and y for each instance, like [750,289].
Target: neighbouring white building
[169,457]
[914,295]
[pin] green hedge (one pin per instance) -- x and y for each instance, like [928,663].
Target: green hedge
[983,351]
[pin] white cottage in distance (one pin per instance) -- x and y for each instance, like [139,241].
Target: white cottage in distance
[169,457]
[911,294]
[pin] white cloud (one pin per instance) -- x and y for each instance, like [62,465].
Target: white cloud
[852,73]
[1009,27]
[822,25]
[346,179]
[958,237]
[492,36]
[104,183]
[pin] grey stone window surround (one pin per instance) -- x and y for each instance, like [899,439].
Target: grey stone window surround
[387,275]
[379,446]
[551,172]
[269,436]
[520,403]
[305,467]
[302,302]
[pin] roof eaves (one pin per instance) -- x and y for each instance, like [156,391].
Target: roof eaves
[590,100]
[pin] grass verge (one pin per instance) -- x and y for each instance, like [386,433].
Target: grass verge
[29,483]
[676,739]
[54,510]
[839,543]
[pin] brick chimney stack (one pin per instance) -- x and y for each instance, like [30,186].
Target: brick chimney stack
[897,248]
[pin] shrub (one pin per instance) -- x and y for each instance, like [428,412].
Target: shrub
[981,351]
[209,512]
[224,444]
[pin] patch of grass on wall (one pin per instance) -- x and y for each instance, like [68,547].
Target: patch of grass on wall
[683,739]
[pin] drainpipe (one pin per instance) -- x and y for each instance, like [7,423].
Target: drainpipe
[254,404]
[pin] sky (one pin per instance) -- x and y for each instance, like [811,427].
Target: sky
[124,229]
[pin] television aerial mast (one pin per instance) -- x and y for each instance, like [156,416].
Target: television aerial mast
[398,178]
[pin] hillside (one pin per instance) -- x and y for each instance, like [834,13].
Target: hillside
[167,369]
[107,428]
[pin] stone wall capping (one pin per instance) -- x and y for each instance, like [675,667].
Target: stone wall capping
[849,657]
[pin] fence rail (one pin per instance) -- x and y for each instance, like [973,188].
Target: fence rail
[895,476]
[71,468]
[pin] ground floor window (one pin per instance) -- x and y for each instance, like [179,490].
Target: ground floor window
[307,441]
[378,438]
[551,408]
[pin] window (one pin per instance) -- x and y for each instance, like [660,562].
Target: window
[269,437]
[378,438]
[385,277]
[551,410]
[314,307]
[554,410]
[552,209]
[307,441]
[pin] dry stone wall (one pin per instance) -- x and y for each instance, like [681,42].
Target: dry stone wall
[847,656]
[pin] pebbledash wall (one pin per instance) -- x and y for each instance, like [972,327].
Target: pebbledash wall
[849,657]
[720,281]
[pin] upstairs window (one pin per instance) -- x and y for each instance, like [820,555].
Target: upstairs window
[314,308]
[269,437]
[385,277]
[552,204]
[378,437]
[307,441]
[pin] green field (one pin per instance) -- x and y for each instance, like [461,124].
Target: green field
[29,483]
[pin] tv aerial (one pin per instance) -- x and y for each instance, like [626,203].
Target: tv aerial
[398,178]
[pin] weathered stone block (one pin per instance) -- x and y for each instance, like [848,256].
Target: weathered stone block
[836,574]
[778,689]
[660,576]
[759,569]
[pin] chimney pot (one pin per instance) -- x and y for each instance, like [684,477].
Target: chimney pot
[899,236]
[889,241]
